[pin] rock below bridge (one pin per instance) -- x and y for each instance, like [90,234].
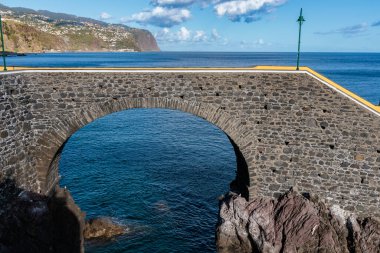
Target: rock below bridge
[293,223]
[103,228]
[33,223]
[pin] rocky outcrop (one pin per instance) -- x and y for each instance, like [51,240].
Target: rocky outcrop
[33,223]
[292,223]
[102,228]
[145,40]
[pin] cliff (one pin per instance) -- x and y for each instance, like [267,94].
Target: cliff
[27,30]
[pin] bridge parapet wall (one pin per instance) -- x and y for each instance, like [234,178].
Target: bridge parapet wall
[291,129]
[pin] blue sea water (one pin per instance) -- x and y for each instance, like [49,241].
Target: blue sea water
[160,172]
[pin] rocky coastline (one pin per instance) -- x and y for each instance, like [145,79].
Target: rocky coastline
[33,223]
[292,223]
[103,228]
[9,53]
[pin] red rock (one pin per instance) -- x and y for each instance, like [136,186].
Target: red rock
[292,223]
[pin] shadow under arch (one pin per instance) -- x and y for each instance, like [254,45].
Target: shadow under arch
[50,145]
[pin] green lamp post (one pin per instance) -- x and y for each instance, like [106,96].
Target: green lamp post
[300,21]
[2,44]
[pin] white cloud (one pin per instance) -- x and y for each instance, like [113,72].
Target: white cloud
[206,3]
[254,44]
[165,31]
[215,35]
[200,36]
[248,10]
[260,42]
[172,3]
[165,35]
[183,3]
[225,42]
[168,13]
[183,34]
[105,16]
[160,16]
[348,30]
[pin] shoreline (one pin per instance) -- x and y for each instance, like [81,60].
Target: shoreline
[8,53]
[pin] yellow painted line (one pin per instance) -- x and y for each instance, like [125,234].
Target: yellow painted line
[344,90]
[338,87]
[276,68]
[123,68]
[325,79]
[269,68]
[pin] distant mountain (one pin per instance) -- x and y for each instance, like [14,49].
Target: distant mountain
[27,30]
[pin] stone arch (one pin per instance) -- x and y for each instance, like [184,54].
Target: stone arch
[50,145]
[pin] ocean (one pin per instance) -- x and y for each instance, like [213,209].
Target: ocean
[160,172]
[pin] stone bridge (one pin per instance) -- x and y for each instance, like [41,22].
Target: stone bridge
[288,128]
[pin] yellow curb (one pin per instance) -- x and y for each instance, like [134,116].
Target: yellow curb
[277,68]
[344,90]
[123,68]
[325,79]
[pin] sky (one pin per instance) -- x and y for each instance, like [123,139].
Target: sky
[236,25]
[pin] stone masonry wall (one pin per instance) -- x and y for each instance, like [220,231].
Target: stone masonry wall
[291,129]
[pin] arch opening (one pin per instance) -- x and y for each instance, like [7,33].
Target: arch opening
[48,156]
[240,183]
[185,149]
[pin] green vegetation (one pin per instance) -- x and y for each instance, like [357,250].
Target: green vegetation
[23,38]
[27,31]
